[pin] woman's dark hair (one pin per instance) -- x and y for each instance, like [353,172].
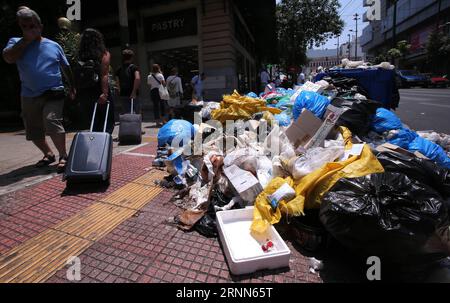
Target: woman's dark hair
[92,45]
[156,69]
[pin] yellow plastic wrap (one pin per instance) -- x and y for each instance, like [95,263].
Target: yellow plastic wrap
[236,107]
[311,188]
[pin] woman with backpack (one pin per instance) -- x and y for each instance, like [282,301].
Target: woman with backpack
[175,88]
[155,81]
[92,78]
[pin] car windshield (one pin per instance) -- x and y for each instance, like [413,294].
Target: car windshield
[409,73]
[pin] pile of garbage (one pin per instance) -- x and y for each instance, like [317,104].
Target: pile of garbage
[375,185]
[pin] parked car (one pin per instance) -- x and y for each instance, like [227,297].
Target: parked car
[410,78]
[438,81]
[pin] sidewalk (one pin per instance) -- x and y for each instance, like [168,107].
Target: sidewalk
[121,233]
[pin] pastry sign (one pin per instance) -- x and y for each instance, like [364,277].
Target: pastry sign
[172,24]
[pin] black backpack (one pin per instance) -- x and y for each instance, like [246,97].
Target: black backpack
[86,74]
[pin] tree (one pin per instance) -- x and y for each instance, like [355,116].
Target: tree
[305,23]
[438,49]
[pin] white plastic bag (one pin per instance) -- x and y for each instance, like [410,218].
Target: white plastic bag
[314,159]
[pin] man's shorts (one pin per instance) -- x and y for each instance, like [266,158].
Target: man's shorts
[42,116]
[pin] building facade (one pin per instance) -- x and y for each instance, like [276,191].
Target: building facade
[329,58]
[415,21]
[217,37]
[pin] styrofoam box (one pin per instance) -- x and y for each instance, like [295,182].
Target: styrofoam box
[243,252]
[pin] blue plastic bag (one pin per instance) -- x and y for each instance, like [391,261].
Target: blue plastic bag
[404,138]
[412,142]
[315,103]
[180,130]
[431,151]
[252,95]
[283,119]
[385,120]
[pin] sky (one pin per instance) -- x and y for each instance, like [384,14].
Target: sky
[347,10]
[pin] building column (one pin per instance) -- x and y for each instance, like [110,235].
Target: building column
[123,21]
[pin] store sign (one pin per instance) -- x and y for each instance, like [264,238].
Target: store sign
[419,38]
[173,25]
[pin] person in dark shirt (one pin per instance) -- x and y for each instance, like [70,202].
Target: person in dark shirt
[128,79]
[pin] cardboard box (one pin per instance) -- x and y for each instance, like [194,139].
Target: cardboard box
[247,185]
[395,148]
[303,130]
[331,117]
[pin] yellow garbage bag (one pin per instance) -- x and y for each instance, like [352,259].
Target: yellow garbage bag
[311,188]
[236,107]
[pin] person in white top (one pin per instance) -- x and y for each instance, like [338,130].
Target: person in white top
[175,88]
[301,78]
[155,80]
[265,79]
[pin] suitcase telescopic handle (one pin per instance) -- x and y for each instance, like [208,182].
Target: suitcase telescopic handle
[132,106]
[106,117]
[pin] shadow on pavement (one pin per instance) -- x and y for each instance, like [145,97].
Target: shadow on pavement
[83,189]
[25,172]
[10,129]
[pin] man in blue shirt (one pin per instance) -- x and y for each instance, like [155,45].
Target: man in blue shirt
[197,85]
[40,62]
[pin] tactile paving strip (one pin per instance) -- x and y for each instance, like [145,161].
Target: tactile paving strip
[39,258]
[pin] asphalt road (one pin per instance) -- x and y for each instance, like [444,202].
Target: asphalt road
[425,109]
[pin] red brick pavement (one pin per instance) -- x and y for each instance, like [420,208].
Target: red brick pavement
[144,248]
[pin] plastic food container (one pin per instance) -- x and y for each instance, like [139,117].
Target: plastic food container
[243,252]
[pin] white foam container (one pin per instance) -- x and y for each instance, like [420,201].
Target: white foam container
[243,252]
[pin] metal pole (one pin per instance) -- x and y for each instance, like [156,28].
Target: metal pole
[356,41]
[349,46]
[394,28]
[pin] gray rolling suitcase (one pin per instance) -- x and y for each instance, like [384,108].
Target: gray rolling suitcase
[90,156]
[130,130]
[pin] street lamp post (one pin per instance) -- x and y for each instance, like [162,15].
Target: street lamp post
[349,46]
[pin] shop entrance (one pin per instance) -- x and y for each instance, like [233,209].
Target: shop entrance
[185,59]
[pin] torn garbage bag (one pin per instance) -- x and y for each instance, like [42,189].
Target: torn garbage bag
[175,132]
[411,141]
[315,103]
[310,189]
[387,215]
[385,120]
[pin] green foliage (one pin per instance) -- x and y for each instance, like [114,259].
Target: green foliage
[394,53]
[305,23]
[438,49]
[70,42]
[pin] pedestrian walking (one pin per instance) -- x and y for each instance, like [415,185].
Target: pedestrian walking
[197,85]
[92,78]
[155,80]
[301,79]
[128,79]
[264,79]
[175,88]
[40,62]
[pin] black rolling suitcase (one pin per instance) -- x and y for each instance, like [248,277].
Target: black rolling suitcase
[130,131]
[90,156]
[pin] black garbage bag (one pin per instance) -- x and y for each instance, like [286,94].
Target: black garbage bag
[346,85]
[207,225]
[422,170]
[358,116]
[387,215]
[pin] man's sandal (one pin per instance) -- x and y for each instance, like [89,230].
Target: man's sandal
[46,161]
[61,165]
